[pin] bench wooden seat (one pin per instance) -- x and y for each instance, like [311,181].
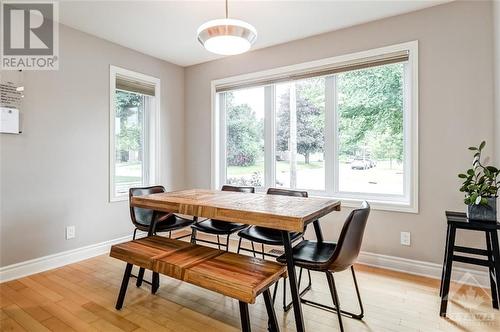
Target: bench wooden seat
[240,277]
[144,252]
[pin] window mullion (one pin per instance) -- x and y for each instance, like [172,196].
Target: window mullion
[269,136]
[331,136]
[146,142]
[222,140]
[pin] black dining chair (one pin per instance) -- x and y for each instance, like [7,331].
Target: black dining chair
[165,222]
[219,227]
[330,257]
[272,237]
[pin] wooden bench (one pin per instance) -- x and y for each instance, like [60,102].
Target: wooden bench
[240,277]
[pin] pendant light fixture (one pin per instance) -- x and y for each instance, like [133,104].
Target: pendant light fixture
[227,36]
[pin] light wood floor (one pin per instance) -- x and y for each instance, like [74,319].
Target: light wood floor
[82,296]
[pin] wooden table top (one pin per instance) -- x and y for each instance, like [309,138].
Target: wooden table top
[272,211]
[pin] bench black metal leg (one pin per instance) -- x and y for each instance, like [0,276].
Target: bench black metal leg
[155,284]
[245,317]
[271,314]
[496,261]
[297,309]
[447,272]
[140,276]
[123,288]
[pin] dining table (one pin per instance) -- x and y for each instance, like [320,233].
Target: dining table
[284,213]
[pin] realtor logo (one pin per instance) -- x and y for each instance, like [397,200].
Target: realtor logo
[471,303]
[29,35]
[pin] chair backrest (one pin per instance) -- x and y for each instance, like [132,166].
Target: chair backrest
[286,192]
[140,216]
[227,187]
[349,243]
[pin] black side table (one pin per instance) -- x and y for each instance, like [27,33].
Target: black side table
[458,220]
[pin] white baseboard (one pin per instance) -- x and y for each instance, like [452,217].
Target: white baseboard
[426,269]
[37,265]
[394,263]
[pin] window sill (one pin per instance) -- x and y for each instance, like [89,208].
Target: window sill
[375,203]
[118,199]
[381,205]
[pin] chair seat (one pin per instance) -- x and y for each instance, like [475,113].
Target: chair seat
[218,227]
[312,255]
[266,236]
[172,223]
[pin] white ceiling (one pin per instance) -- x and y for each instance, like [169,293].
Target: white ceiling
[167,29]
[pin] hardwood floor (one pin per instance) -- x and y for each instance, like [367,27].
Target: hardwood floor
[81,297]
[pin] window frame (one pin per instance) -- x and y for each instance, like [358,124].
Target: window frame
[151,130]
[408,202]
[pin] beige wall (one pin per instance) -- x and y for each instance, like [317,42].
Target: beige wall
[456,110]
[56,173]
[496,59]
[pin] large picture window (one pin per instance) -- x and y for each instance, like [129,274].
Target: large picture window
[344,127]
[133,134]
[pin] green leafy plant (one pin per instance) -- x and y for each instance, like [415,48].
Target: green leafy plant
[480,181]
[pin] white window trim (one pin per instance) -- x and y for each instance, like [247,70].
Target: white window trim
[410,204]
[153,131]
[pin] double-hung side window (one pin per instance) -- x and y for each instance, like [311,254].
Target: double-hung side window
[344,128]
[134,105]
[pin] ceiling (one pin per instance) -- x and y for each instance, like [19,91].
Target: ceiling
[167,29]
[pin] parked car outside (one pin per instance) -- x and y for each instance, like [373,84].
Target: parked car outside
[359,163]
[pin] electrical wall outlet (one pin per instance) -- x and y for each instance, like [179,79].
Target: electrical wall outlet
[405,238]
[70,232]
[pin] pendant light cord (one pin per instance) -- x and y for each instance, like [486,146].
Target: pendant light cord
[226,8]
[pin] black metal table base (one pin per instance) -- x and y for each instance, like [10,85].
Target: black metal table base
[297,309]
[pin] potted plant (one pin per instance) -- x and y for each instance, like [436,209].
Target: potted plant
[481,188]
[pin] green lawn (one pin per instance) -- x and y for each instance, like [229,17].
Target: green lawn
[122,179]
[280,166]
[128,172]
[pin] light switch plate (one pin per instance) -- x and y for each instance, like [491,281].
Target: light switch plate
[70,232]
[405,238]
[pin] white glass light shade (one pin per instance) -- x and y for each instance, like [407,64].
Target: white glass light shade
[227,36]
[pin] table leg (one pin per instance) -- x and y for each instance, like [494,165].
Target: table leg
[152,224]
[297,309]
[491,271]
[155,284]
[444,259]
[193,231]
[447,272]
[317,230]
[496,257]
